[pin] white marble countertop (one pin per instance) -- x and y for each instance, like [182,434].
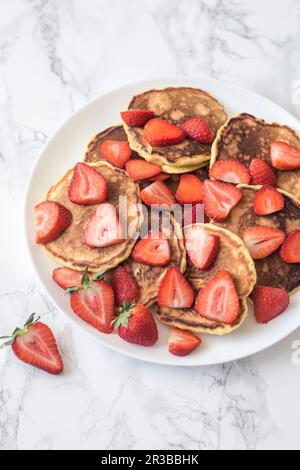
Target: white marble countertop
[55,55]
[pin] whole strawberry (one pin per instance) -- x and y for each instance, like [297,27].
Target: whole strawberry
[135,324]
[125,286]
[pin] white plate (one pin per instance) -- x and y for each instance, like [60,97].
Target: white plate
[67,147]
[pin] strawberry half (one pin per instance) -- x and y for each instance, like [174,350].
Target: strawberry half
[218,299]
[159,194]
[35,345]
[219,199]
[135,324]
[103,228]
[201,246]
[262,241]
[268,200]
[160,177]
[161,133]
[182,343]
[93,301]
[141,170]
[66,277]
[230,171]
[125,286]
[116,152]
[87,187]
[175,292]
[284,156]
[136,117]
[152,250]
[290,250]
[51,220]
[269,303]
[190,190]
[198,129]
[261,173]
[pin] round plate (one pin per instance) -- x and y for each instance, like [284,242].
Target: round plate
[67,147]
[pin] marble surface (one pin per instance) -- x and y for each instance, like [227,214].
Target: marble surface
[56,55]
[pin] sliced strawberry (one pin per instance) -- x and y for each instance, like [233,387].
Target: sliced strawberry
[218,299]
[66,277]
[285,156]
[103,228]
[219,199]
[116,152]
[230,171]
[201,246]
[152,250]
[51,220]
[136,117]
[268,200]
[94,302]
[290,250]
[161,133]
[269,303]
[141,170]
[158,193]
[194,214]
[160,177]
[125,286]
[135,324]
[35,345]
[87,187]
[175,292]
[190,190]
[198,129]
[261,173]
[182,343]
[262,241]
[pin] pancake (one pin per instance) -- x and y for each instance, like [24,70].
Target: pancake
[70,248]
[176,105]
[233,257]
[149,278]
[244,137]
[188,319]
[271,271]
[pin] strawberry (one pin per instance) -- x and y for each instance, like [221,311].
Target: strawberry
[182,343]
[261,173]
[290,250]
[161,133]
[158,193]
[284,156]
[175,292]
[269,303]
[35,345]
[160,177]
[194,214]
[135,324]
[141,170]
[218,299]
[268,200]
[125,286]
[136,117]
[103,228]
[230,171]
[93,301]
[152,250]
[190,190]
[87,187]
[51,220]
[66,277]
[198,129]
[262,241]
[201,246]
[219,199]
[116,152]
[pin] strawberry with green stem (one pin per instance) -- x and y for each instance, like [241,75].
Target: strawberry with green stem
[135,324]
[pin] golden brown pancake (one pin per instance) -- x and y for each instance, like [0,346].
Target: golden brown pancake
[70,248]
[244,137]
[176,105]
[271,271]
[149,278]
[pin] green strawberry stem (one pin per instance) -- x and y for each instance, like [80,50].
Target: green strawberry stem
[124,313]
[86,281]
[19,331]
